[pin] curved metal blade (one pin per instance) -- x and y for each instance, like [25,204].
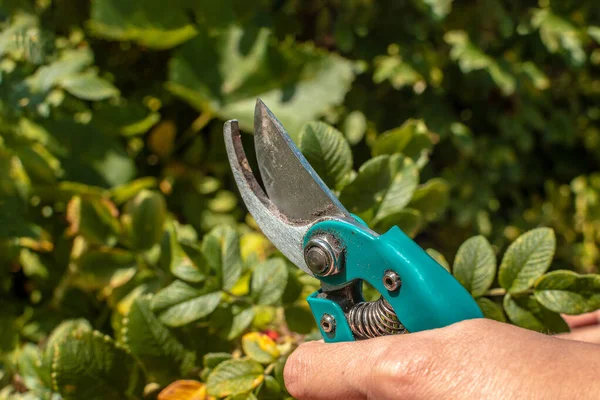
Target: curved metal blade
[291,183]
[283,233]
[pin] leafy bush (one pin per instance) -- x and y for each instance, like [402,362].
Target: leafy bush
[128,265]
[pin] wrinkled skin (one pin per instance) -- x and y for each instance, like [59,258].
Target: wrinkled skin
[473,359]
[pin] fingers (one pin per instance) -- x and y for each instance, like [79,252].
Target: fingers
[576,321]
[317,370]
[589,334]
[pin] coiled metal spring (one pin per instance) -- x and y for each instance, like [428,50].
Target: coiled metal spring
[372,319]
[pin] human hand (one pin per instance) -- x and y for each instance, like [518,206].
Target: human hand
[585,328]
[473,359]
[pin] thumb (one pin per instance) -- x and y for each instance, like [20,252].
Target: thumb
[317,370]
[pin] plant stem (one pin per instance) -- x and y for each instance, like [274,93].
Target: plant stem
[496,292]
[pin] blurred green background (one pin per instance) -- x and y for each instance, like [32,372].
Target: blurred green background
[111,113]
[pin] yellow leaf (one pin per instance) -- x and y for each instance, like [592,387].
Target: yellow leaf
[260,347]
[184,390]
[255,244]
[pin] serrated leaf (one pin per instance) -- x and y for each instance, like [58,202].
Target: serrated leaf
[221,248]
[144,21]
[144,219]
[326,150]
[269,280]
[431,198]
[491,309]
[475,265]
[568,292]
[384,186]
[260,347]
[223,75]
[59,333]
[164,358]
[179,304]
[234,377]
[184,390]
[89,365]
[526,312]
[89,86]
[439,258]
[526,259]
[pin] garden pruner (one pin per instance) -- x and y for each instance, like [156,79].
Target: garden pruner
[302,217]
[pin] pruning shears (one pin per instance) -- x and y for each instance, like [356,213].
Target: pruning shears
[303,218]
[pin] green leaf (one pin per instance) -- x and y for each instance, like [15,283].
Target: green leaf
[234,377]
[129,190]
[327,151]
[355,127]
[439,258]
[89,365]
[439,8]
[88,155]
[88,86]
[179,304]
[70,62]
[559,35]
[144,219]
[398,140]
[40,164]
[269,280]
[221,248]
[93,218]
[384,186]
[527,313]
[59,334]
[475,265]
[174,257]
[143,21]
[240,322]
[408,220]
[431,198]
[223,74]
[103,268]
[299,319]
[526,259]
[260,347]
[491,309]
[568,292]
[594,32]
[164,358]
[211,360]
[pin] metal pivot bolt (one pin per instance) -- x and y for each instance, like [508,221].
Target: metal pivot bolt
[322,256]
[391,280]
[328,323]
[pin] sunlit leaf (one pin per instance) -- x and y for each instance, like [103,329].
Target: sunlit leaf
[234,376]
[475,265]
[526,259]
[327,151]
[260,347]
[568,292]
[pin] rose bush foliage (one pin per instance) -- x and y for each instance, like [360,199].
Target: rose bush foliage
[129,267]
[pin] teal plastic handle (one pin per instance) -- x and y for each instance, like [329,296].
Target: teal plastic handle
[429,297]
